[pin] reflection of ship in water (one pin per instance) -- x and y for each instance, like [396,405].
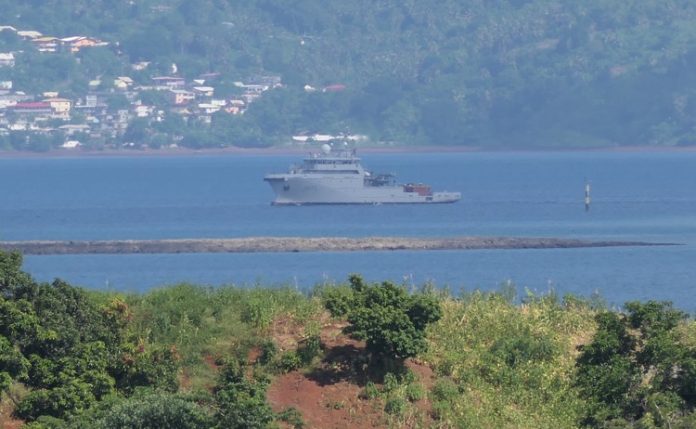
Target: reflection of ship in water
[339,178]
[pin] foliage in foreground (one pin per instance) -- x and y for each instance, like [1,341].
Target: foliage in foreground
[639,369]
[76,359]
[69,350]
[390,320]
[505,365]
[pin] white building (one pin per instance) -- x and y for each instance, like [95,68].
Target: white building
[7,59]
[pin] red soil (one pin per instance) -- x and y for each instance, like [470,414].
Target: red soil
[328,396]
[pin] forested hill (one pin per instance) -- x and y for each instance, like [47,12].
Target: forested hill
[511,73]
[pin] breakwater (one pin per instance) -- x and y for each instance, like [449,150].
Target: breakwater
[301,244]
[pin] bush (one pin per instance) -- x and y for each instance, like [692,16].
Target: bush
[268,352]
[338,300]
[370,391]
[415,392]
[395,406]
[309,349]
[292,417]
[391,321]
[154,411]
[241,402]
[445,390]
[289,361]
[635,368]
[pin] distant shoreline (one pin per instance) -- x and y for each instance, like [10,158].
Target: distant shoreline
[285,150]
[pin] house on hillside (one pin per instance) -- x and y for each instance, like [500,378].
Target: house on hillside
[180,97]
[46,43]
[208,108]
[143,111]
[32,108]
[169,82]
[123,82]
[7,100]
[7,59]
[60,106]
[29,34]
[72,129]
[140,66]
[71,144]
[205,91]
[75,43]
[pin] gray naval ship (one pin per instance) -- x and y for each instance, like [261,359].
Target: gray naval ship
[337,177]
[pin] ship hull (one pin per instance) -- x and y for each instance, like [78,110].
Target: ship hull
[307,189]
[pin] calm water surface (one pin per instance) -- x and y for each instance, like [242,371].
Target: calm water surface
[636,196]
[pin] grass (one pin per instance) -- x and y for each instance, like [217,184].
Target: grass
[505,365]
[206,324]
[500,360]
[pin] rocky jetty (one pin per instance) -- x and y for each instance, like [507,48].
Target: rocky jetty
[301,244]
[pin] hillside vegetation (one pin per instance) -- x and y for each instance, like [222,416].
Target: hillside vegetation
[355,355]
[504,73]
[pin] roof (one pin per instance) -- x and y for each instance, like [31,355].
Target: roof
[32,105]
[29,33]
[9,56]
[7,27]
[168,78]
[72,39]
[74,127]
[44,39]
[57,100]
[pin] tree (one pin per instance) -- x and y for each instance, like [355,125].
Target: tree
[391,321]
[636,366]
[69,350]
[153,411]
[241,402]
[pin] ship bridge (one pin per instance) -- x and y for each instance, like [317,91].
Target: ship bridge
[341,162]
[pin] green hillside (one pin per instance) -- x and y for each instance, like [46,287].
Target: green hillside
[515,73]
[353,355]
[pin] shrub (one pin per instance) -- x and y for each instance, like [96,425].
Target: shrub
[268,352]
[395,406]
[635,368]
[338,300]
[391,382]
[156,410]
[292,417]
[415,392]
[289,361]
[241,403]
[370,391]
[391,321]
[309,349]
[445,390]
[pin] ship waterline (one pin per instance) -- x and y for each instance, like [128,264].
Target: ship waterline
[339,178]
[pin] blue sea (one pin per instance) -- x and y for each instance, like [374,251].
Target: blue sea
[635,196]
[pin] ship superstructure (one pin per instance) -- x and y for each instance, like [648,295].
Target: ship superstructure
[337,177]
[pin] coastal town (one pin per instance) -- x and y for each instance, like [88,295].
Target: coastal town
[112,113]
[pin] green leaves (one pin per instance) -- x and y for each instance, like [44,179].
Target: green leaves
[241,402]
[391,321]
[635,368]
